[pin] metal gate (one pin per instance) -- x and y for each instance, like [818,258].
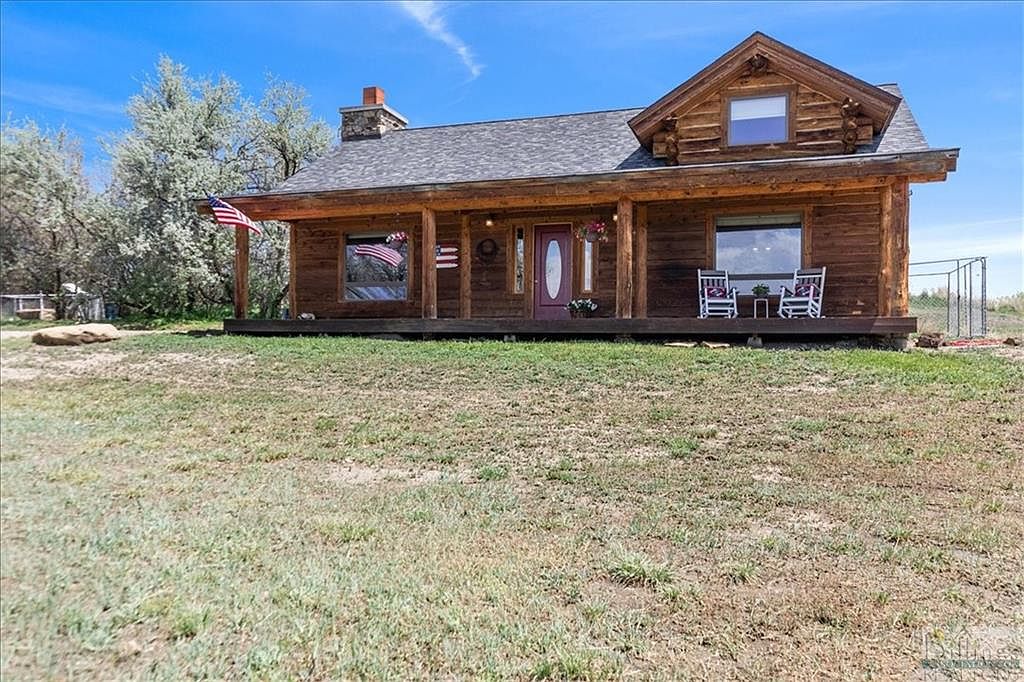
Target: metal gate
[949,296]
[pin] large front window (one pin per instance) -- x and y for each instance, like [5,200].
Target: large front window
[376,267]
[758,249]
[758,120]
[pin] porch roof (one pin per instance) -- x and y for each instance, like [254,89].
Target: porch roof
[543,147]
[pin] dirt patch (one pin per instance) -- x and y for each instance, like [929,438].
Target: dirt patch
[770,474]
[812,521]
[355,474]
[9,374]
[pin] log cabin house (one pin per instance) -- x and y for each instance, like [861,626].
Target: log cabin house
[766,148]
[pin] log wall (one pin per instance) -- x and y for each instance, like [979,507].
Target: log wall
[842,230]
[816,126]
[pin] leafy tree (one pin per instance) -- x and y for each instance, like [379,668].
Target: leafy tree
[141,241]
[187,137]
[190,137]
[46,239]
[285,138]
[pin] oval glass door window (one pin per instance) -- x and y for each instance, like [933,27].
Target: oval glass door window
[553,269]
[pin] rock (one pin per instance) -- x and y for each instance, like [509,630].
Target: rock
[1012,341]
[76,334]
[755,342]
[929,340]
[713,344]
[682,344]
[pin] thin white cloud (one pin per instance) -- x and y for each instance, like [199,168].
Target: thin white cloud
[65,98]
[430,16]
[968,248]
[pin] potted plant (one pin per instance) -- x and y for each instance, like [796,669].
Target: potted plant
[760,290]
[594,231]
[581,307]
[396,239]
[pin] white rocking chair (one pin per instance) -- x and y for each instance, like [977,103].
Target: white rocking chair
[804,298]
[717,298]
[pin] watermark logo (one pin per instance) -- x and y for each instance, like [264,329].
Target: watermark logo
[972,653]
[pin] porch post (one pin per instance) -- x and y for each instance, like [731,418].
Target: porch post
[429,242]
[901,247]
[895,224]
[624,260]
[640,306]
[465,273]
[241,272]
[293,292]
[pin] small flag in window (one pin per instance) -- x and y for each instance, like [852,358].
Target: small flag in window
[381,253]
[226,214]
[447,256]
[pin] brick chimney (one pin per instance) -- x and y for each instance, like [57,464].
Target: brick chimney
[372,119]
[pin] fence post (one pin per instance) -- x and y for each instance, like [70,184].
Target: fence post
[984,296]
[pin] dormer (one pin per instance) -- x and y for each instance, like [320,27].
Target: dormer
[764,100]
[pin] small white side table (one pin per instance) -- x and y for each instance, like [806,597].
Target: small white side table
[758,301]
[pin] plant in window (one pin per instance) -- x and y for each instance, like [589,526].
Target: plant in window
[594,231]
[396,239]
[760,289]
[581,307]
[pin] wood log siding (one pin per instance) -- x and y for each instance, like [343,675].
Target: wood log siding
[816,124]
[318,268]
[842,230]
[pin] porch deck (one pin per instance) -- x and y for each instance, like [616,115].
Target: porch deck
[593,327]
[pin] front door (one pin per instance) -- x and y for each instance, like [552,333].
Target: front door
[552,271]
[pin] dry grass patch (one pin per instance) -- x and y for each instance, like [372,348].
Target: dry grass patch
[342,508]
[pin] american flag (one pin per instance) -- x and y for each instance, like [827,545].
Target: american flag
[226,214]
[380,252]
[447,255]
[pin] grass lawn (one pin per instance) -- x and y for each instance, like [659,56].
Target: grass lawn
[349,508]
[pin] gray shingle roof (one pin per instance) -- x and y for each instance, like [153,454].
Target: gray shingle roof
[548,146]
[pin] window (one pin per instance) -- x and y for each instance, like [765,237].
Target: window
[758,120]
[376,269]
[587,285]
[758,249]
[519,267]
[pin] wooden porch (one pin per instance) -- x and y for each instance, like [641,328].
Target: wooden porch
[772,327]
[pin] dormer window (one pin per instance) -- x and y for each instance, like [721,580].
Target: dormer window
[758,120]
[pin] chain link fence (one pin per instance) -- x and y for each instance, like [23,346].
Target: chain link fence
[949,296]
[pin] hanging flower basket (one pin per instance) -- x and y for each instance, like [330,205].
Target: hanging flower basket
[594,231]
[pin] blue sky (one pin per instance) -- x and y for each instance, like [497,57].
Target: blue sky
[959,65]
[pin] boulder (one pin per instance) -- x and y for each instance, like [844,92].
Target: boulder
[76,334]
[930,340]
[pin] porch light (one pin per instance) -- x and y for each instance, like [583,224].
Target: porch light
[490,220]
[615,217]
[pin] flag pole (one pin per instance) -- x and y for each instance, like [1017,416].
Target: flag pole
[241,272]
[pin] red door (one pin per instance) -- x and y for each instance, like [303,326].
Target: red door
[552,271]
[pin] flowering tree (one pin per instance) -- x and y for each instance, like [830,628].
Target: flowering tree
[140,241]
[47,227]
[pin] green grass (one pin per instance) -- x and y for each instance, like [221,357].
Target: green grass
[636,569]
[328,508]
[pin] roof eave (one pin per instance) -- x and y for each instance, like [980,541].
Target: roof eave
[925,165]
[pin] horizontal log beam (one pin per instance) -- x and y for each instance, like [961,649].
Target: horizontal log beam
[653,326]
[661,184]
